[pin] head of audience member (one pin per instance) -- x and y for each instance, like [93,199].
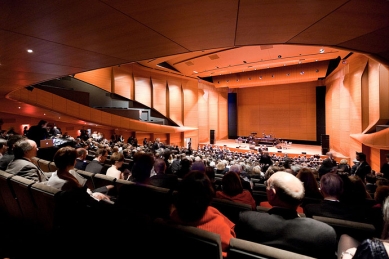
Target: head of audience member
[210,172]
[102,154]
[232,184]
[117,159]
[284,190]
[141,169]
[194,195]
[380,194]
[11,142]
[308,179]
[81,153]
[159,166]
[42,123]
[385,213]
[64,160]
[236,168]
[25,148]
[198,166]
[331,186]
[354,190]
[361,157]
[3,146]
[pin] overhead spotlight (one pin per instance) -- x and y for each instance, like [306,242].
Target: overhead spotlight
[272,75]
[218,82]
[260,77]
[344,61]
[279,56]
[302,73]
[30,88]
[288,74]
[249,78]
[317,70]
[237,80]
[321,50]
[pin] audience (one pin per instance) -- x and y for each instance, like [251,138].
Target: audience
[9,155]
[161,179]
[81,163]
[141,169]
[232,190]
[282,227]
[311,187]
[363,167]
[192,207]
[117,160]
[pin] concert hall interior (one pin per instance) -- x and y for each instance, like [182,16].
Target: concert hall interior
[234,67]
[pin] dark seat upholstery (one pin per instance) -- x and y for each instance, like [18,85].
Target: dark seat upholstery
[230,209]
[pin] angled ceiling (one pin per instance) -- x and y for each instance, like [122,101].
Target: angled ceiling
[69,36]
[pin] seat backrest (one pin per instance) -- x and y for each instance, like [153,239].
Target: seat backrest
[11,204]
[44,165]
[243,249]
[230,209]
[151,200]
[45,199]
[89,178]
[358,230]
[35,160]
[100,180]
[52,166]
[21,188]
[178,241]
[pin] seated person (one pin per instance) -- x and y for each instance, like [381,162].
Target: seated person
[24,150]
[96,165]
[117,160]
[281,226]
[141,169]
[331,187]
[161,179]
[192,207]
[232,190]
[81,163]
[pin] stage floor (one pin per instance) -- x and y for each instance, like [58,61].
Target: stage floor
[292,150]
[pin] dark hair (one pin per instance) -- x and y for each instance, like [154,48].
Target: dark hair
[331,184]
[309,181]
[116,156]
[143,163]
[21,147]
[194,195]
[11,142]
[232,184]
[64,157]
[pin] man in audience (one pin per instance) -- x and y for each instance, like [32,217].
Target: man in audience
[282,227]
[38,132]
[80,161]
[331,187]
[96,165]
[24,150]
[363,168]
[9,155]
[3,147]
[161,179]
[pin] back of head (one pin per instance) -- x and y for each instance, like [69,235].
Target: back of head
[143,163]
[288,189]
[64,157]
[116,157]
[159,166]
[81,152]
[194,195]
[235,168]
[11,142]
[198,166]
[232,184]
[331,185]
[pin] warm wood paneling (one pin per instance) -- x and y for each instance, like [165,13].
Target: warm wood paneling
[101,78]
[142,90]
[159,96]
[223,113]
[190,96]
[286,111]
[123,83]
[175,101]
[203,122]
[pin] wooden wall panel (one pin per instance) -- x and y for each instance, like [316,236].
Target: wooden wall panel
[176,139]
[45,99]
[123,81]
[213,119]
[72,108]
[190,96]
[142,135]
[101,78]
[116,120]
[285,111]
[159,96]
[203,122]
[374,101]
[60,104]
[384,91]
[175,101]
[142,90]
[222,109]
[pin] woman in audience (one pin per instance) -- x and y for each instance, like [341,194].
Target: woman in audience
[344,167]
[232,190]
[311,185]
[348,247]
[117,160]
[192,207]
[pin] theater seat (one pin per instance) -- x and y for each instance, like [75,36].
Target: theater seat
[243,249]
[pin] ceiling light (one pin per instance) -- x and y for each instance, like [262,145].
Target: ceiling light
[272,75]
[30,51]
[344,61]
[195,72]
[279,56]
[260,77]
[321,50]
[249,78]
[317,70]
[302,73]
[288,74]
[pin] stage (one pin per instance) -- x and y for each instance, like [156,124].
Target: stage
[291,150]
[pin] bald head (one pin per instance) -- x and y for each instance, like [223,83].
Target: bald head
[285,190]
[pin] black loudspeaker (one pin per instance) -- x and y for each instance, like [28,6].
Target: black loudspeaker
[325,144]
[304,153]
[212,137]
[279,151]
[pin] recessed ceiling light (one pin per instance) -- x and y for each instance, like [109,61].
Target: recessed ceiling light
[30,51]
[302,73]
[260,77]
[321,50]
[195,72]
